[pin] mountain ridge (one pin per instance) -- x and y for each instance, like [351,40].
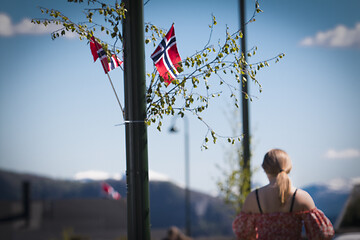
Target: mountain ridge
[209,214]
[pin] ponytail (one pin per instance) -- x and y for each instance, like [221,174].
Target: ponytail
[284,184]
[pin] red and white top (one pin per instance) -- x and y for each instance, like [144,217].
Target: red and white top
[283,225]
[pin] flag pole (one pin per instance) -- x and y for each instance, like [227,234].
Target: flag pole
[106,68]
[117,98]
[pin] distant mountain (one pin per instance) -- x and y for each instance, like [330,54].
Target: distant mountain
[209,215]
[44,188]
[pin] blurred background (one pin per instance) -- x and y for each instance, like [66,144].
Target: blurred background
[60,121]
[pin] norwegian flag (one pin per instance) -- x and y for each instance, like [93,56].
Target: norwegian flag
[94,46]
[98,52]
[166,57]
[114,62]
[109,190]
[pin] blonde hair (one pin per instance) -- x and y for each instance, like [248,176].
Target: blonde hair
[277,163]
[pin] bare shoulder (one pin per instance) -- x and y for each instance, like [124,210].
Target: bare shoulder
[303,201]
[250,203]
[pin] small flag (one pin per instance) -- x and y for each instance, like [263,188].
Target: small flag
[109,190]
[94,46]
[114,62]
[166,57]
[98,52]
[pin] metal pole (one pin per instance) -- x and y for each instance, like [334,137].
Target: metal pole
[138,214]
[187,178]
[26,202]
[117,98]
[187,173]
[245,100]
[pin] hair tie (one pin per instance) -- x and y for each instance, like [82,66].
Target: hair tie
[282,170]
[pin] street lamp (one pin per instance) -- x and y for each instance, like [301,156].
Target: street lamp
[187,173]
[245,100]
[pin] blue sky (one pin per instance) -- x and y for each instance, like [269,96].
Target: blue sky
[58,112]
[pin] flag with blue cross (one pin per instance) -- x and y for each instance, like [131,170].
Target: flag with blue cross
[166,57]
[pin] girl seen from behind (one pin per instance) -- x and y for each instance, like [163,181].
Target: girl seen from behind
[279,210]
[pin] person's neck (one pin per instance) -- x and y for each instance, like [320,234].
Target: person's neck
[272,181]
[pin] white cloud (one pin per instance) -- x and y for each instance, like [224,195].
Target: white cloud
[340,36]
[5,25]
[342,154]
[341,184]
[26,27]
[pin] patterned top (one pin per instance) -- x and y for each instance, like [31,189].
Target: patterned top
[283,225]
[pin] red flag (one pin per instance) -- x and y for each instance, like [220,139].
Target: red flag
[166,57]
[109,190]
[114,62]
[98,52]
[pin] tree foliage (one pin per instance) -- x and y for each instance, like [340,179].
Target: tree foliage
[235,178]
[213,72]
[235,184]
